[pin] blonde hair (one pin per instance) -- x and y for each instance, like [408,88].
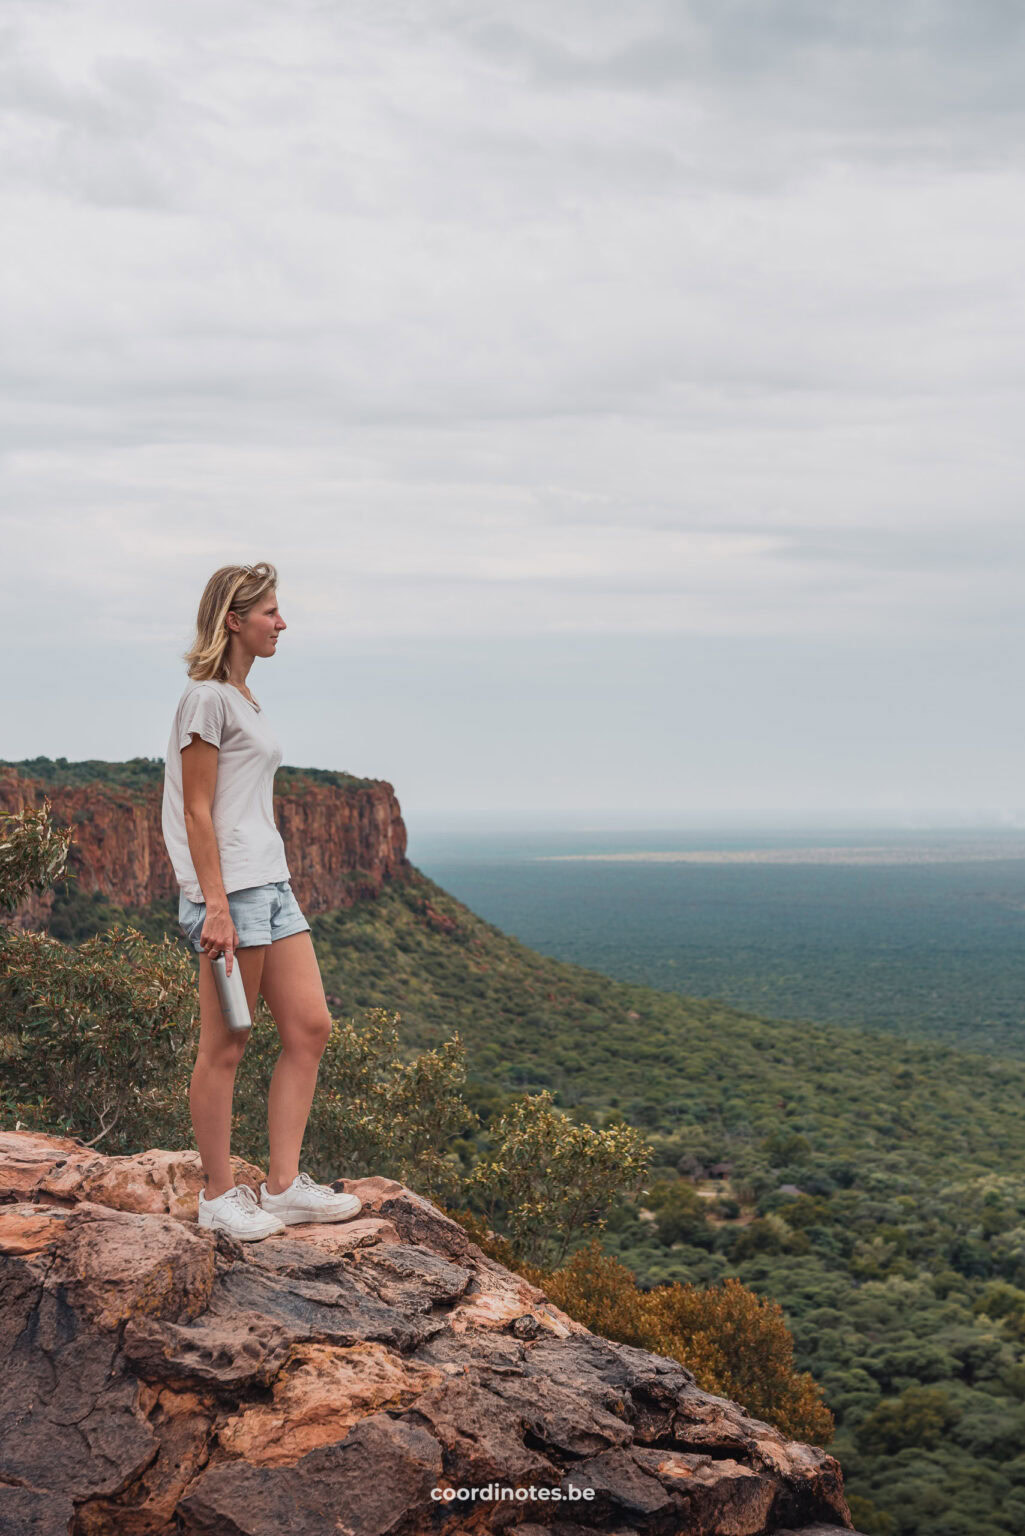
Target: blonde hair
[232,589]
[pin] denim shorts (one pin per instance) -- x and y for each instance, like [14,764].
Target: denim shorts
[261,914]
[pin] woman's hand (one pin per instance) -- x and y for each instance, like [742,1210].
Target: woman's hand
[219,933]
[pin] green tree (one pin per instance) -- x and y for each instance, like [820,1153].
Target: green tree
[681,1214]
[33,853]
[920,1417]
[548,1180]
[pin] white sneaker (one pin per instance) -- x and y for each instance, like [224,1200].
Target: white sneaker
[238,1213]
[305,1201]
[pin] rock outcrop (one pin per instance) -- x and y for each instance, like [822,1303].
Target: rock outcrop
[377,1375]
[342,844]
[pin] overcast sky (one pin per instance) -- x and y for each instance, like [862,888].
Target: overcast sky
[630,397]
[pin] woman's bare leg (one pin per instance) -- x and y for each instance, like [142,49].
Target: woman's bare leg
[292,985]
[213,1077]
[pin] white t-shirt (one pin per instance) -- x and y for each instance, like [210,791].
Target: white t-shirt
[250,845]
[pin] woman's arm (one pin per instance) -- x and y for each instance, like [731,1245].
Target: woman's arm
[199,781]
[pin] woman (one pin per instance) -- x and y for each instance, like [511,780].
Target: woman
[229,860]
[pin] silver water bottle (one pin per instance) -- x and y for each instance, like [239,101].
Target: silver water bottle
[232,993]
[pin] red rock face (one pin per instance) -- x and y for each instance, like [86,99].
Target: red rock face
[341,844]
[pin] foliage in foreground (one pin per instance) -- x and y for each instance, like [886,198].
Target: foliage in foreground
[99,1042]
[33,853]
[93,1039]
[550,1179]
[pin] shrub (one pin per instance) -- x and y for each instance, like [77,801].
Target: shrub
[549,1179]
[93,1037]
[96,1038]
[738,1345]
[33,853]
[100,1039]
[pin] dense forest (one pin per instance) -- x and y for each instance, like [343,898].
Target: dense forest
[874,1186]
[925,950]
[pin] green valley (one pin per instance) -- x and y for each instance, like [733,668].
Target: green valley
[874,1186]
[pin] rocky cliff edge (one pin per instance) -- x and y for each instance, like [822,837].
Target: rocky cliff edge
[342,844]
[377,1375]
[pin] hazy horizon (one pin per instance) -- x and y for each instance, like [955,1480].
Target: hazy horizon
[670,821]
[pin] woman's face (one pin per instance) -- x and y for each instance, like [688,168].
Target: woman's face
[260,628]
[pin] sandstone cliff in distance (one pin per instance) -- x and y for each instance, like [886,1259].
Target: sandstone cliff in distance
[342,840]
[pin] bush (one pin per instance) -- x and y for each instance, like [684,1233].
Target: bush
[33,853]
[100,1039]
[97,1038]
[738,1345]
[867,1518]
[549,1179]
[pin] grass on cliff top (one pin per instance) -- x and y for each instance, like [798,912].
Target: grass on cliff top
[147,773]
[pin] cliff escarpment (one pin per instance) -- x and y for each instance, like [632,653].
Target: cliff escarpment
[343,837]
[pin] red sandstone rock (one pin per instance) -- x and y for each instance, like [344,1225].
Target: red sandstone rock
[317,1398]
[164,1380]
[61,1168]
[341,844]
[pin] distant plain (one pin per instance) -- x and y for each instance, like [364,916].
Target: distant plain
[917,932]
